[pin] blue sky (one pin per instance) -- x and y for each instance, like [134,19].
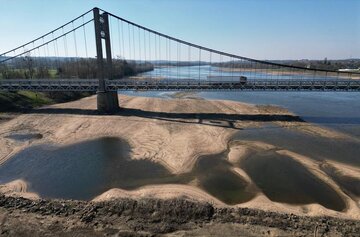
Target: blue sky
[262,29]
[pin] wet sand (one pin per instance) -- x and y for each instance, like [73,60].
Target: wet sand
[175,133]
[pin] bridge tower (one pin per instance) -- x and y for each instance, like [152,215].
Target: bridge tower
[107,101]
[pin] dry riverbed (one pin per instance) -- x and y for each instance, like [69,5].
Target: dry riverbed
[173,133]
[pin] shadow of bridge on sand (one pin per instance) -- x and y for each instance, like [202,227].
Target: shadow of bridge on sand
[212,119]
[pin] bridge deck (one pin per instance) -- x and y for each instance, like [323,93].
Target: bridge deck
[166,85]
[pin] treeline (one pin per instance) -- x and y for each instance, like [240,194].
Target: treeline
[325,64]
[41,68]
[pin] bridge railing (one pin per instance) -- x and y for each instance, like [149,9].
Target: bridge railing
[115,85]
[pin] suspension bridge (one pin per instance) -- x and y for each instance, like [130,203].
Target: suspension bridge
[122,55]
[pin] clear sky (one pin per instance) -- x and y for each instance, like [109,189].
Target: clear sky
[261,29]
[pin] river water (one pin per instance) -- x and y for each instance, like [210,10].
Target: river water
[87,169]
[339,110]
[206,72]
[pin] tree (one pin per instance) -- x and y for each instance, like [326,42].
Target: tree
[29,66]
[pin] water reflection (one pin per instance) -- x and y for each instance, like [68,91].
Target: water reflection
[315,147]
[282,179]
[85,170]
[82,170]
[217,178]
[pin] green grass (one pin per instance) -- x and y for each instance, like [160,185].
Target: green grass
[37,98]
[52,73]
[14,101]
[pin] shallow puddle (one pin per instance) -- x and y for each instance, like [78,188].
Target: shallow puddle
[349,184]
[282,179]
[83,170]
[87,169]
[217,178]
[22,137]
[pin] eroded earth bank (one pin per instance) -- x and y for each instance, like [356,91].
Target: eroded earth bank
[183,166]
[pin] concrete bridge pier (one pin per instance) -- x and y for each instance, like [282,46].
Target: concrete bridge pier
[107,101]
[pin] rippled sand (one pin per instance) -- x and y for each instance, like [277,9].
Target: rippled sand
[175,133]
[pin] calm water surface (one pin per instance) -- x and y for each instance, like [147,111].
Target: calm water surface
[85,170]
[339,110]
[282,179]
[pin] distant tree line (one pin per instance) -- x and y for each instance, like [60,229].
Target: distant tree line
[40,68]
[325,64]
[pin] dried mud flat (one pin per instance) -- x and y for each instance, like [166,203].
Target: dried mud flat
[155,217]
[173,133]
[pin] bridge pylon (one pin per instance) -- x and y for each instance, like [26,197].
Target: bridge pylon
[107,101]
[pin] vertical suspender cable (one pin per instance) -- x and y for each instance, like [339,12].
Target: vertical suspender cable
[39,58]
[139,45]
[86,50]
[177,60]
[166,57]
[48,58]
[133,37]
[149,47]
[159,47]
[119,42]
[221,67]
[232,69]
[170,62]
[210,67]
[129,41]
[199,62]
[156,59]
[189,52]
[144,45]
[65,43]
[76,51]
[45,63]
[111,37]
[122,38]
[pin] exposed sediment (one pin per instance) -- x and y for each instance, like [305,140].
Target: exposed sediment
[149,217]
[175,133]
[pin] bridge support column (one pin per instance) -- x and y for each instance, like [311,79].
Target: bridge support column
[107,101]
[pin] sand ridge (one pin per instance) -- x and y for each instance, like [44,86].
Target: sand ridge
[171,132]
